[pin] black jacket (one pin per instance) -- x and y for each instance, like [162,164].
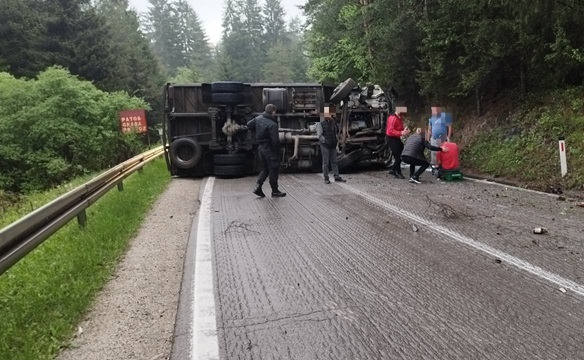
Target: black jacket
[327,133]
[266,130]
[415,145]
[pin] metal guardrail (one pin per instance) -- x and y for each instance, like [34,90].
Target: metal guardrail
[22,236]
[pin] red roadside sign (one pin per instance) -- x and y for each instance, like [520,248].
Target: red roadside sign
[133,121]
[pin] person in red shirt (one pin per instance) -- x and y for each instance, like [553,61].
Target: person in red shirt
[394,130]
[448,160]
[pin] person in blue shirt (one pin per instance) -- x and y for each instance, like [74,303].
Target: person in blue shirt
[439,129]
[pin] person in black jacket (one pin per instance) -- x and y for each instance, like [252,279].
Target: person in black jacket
[327,131]
[413,154]
[265,127]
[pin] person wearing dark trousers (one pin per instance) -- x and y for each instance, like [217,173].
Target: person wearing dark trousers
[394,130]
[265,127]
[327,131]
[413,154]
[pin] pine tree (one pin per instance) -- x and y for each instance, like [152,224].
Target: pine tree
[275,25]
[193,41]
[162,30]
[136,69]
[22,34]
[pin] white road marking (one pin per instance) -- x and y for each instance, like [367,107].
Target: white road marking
[523,265]
[204,343]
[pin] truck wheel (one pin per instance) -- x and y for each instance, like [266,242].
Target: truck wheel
[343,90]
[227,87]
[227,98]
[230,170]
[230,159]
[185,153]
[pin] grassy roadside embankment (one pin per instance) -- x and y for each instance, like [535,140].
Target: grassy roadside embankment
[45,295]
[520,142]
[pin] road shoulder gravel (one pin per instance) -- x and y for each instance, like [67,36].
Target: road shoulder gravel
[134,316]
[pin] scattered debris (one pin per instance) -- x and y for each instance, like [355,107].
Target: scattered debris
[447,211]
[561,198]
[535,242]
[556,190]
[562,290]
[171,216]
[498,261]
[347,218]
[540,231]
[414,228]
[240,225]
[580,204]
[79,331]
[498,233]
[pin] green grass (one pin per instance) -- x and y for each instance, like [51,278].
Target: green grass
[22,205]
[45,295]
[525,147]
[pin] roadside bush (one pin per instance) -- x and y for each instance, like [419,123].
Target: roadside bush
[525,147]
[57,127]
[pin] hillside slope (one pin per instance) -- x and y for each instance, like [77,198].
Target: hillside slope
[518,141]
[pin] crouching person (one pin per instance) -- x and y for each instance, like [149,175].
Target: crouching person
[448,161]
[327,132]
[413,154]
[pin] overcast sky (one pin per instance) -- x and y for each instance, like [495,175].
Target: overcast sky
[211,13]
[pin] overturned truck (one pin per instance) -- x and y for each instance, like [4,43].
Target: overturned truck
[204,130]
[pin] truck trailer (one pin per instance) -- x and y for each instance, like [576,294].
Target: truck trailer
[205,133]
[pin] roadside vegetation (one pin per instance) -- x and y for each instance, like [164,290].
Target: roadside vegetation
[45,295]
[520,141]
[57,127]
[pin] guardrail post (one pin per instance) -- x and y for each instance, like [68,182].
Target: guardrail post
[121,186]
[563,161]
[82,218]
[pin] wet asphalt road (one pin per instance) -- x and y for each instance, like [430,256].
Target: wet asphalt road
[379,268]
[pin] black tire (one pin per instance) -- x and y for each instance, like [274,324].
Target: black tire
[343,90]
[185,153]
[227,87]
[228,98]
[230,159]
[230,170]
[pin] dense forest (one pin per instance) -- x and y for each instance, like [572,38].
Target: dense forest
[466,53]
[446,50]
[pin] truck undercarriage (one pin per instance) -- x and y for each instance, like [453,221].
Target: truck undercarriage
[204,130]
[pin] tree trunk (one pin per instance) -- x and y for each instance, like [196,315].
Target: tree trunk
[523,85]
[367,26]
[478,95]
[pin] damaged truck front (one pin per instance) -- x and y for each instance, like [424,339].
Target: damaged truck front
[204,130]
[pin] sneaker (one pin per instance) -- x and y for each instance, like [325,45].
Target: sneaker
[278,194]
[415,180]
[258,191]
[326,180]
[340,179]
